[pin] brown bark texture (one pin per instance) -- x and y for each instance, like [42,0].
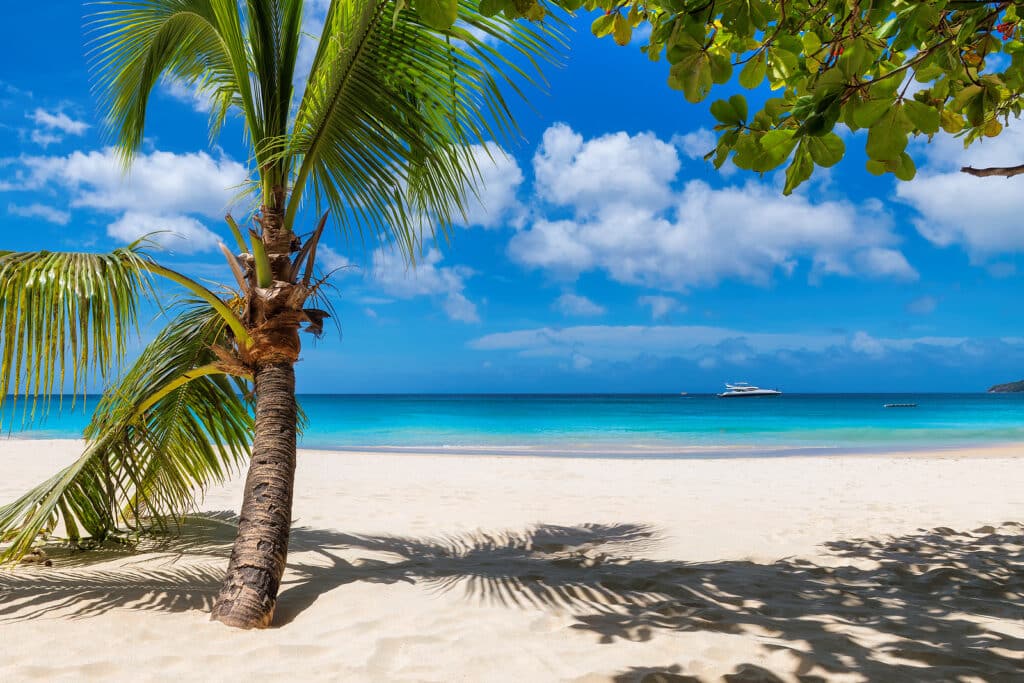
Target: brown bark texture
[249,593]
[1004,171]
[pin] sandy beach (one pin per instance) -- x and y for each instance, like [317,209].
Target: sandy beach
[459,568]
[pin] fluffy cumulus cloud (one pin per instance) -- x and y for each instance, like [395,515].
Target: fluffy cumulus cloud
[576,305]
[47,213]
[494,204]
[158,182]
[390,275]
[862,342]
[162,191]
[54,126]
[331,261]
[979,215]
[628,220]
[181,234]
[189,94]
[616,168]
[661,306]
[696,143]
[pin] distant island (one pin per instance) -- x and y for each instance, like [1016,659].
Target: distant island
[1008,388]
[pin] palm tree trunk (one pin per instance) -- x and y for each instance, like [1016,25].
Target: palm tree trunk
[249,593]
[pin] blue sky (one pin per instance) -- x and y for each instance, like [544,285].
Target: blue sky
[606,257]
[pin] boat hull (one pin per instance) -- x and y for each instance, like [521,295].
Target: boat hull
[760,393]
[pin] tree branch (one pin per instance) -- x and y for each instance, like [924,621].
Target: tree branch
[1005,171]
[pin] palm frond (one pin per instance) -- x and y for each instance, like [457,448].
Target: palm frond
[199,42]
[66,314]
[172,424]
[274,31]
[391,106]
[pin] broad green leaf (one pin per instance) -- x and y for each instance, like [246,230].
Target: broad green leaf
[739,103]
[826,150]
[905,169]
[876,167]
[867,112]
[721,68]
[724,111]
[437,14]
[622,29]
[924,117]
[799,170]
[783,64]
[811,42]
[753,72]
[490,8]
[887,139]
[817,125]
[603,25]
[887,29]
[951,121]
[766,152]
[692,75]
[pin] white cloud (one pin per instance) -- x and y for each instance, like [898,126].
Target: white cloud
[189,94]
[157,183]
[980,215]
[706,345]
[495,203]
[458,307]
[181,234]
[696,143]
[660,306]
[862,342]
[631,223]
[574,304]
[699,142]
[59,121]
[47,213]
[53,126]
[375,300]
[329,260]
[390,274]
[160,189]
[581,362]
[44,139]
[923,305]
[620,342]
[885,262]
[613,168]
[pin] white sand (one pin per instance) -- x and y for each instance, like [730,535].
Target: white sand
[460,568]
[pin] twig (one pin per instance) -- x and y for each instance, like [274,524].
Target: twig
[1005,171]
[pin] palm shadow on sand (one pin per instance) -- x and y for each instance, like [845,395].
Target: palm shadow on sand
[926,606]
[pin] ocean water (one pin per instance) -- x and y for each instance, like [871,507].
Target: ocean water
[635,425]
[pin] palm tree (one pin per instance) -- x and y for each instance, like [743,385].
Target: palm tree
[379,137]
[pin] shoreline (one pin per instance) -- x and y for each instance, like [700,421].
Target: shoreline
[642,452]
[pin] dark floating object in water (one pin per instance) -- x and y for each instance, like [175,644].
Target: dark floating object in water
[900,405]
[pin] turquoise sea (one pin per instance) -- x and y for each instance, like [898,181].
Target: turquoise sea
[636,425]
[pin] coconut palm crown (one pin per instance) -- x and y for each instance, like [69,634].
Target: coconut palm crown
[378,138]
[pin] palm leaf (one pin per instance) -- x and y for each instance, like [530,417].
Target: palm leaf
[383,129]
[66,314]
[172,424]
[199,42]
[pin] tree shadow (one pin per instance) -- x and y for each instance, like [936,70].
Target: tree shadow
[932,605]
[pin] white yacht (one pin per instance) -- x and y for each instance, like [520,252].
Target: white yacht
[743,389]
